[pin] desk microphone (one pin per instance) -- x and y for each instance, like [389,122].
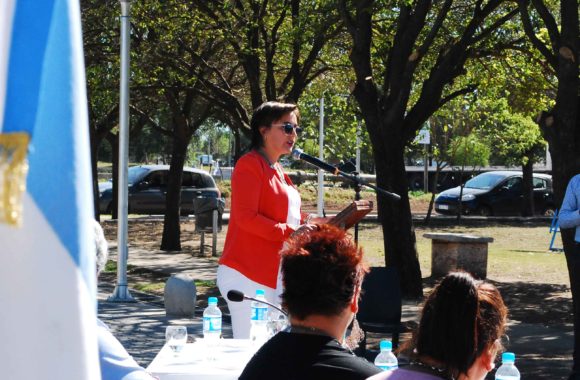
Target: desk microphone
[237,296]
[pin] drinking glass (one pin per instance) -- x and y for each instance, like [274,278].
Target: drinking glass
[176,337]
[276,322]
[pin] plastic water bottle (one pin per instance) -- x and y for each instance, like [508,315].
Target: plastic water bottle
[212,326]
[507,370]
[259,320]
[386,360]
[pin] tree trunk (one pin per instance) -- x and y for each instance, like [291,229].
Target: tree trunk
[433,194]
[396,219]
[561,128]
[383,96]
[237,145]
[171,240]
[566,164]
[528,188]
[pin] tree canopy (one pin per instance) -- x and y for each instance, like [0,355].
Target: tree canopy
[388,65]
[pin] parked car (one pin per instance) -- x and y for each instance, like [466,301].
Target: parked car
[148,186]
[497,193]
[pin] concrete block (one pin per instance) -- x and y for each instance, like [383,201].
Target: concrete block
[180,296]
[451,252]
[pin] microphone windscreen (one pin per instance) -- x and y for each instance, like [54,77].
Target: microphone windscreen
[235,296]
[296,153]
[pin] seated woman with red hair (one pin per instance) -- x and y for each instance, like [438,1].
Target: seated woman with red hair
[322,273]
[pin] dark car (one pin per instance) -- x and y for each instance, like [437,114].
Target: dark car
[148,186]
[497,193]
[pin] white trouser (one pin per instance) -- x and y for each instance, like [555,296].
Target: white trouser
[230,279]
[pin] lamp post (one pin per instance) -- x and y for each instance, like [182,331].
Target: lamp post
[121,292]
[426,141]
[358,134]
[424,138]
[320,203]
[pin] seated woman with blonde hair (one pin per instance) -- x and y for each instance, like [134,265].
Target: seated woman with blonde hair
[459,333]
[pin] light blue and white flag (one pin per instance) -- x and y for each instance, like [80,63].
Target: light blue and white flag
[47,259]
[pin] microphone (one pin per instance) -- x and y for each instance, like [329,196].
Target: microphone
[298,154]
[237,296]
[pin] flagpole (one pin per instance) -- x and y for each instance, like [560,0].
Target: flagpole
[121,293]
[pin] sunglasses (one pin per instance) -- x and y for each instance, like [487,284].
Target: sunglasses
[289,128]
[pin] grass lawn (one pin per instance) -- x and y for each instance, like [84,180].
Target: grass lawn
[517,253]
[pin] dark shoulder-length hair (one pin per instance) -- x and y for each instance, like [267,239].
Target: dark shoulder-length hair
[461,318]
[265,115]
[321,270]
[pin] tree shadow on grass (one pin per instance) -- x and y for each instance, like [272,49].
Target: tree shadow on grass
[546,304]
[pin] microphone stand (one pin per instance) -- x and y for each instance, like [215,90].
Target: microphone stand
[238,296]
[358,184]
[357,197]
[298,154]
[355,178]
[267,303]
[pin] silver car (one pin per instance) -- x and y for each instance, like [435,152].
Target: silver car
[148,186]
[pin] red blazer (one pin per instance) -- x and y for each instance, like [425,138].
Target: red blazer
[257,226]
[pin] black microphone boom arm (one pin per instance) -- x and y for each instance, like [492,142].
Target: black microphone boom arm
[298,154]
[237,296]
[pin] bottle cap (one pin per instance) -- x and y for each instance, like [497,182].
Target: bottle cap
[260,292]
[386,345]
[212,301]
[508,357]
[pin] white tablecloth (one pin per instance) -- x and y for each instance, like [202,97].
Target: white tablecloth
[231,356]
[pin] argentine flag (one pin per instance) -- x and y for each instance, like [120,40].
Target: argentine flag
[47,257]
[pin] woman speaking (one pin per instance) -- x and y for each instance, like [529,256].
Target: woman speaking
[265,210]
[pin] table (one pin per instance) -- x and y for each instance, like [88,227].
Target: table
[191,363]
